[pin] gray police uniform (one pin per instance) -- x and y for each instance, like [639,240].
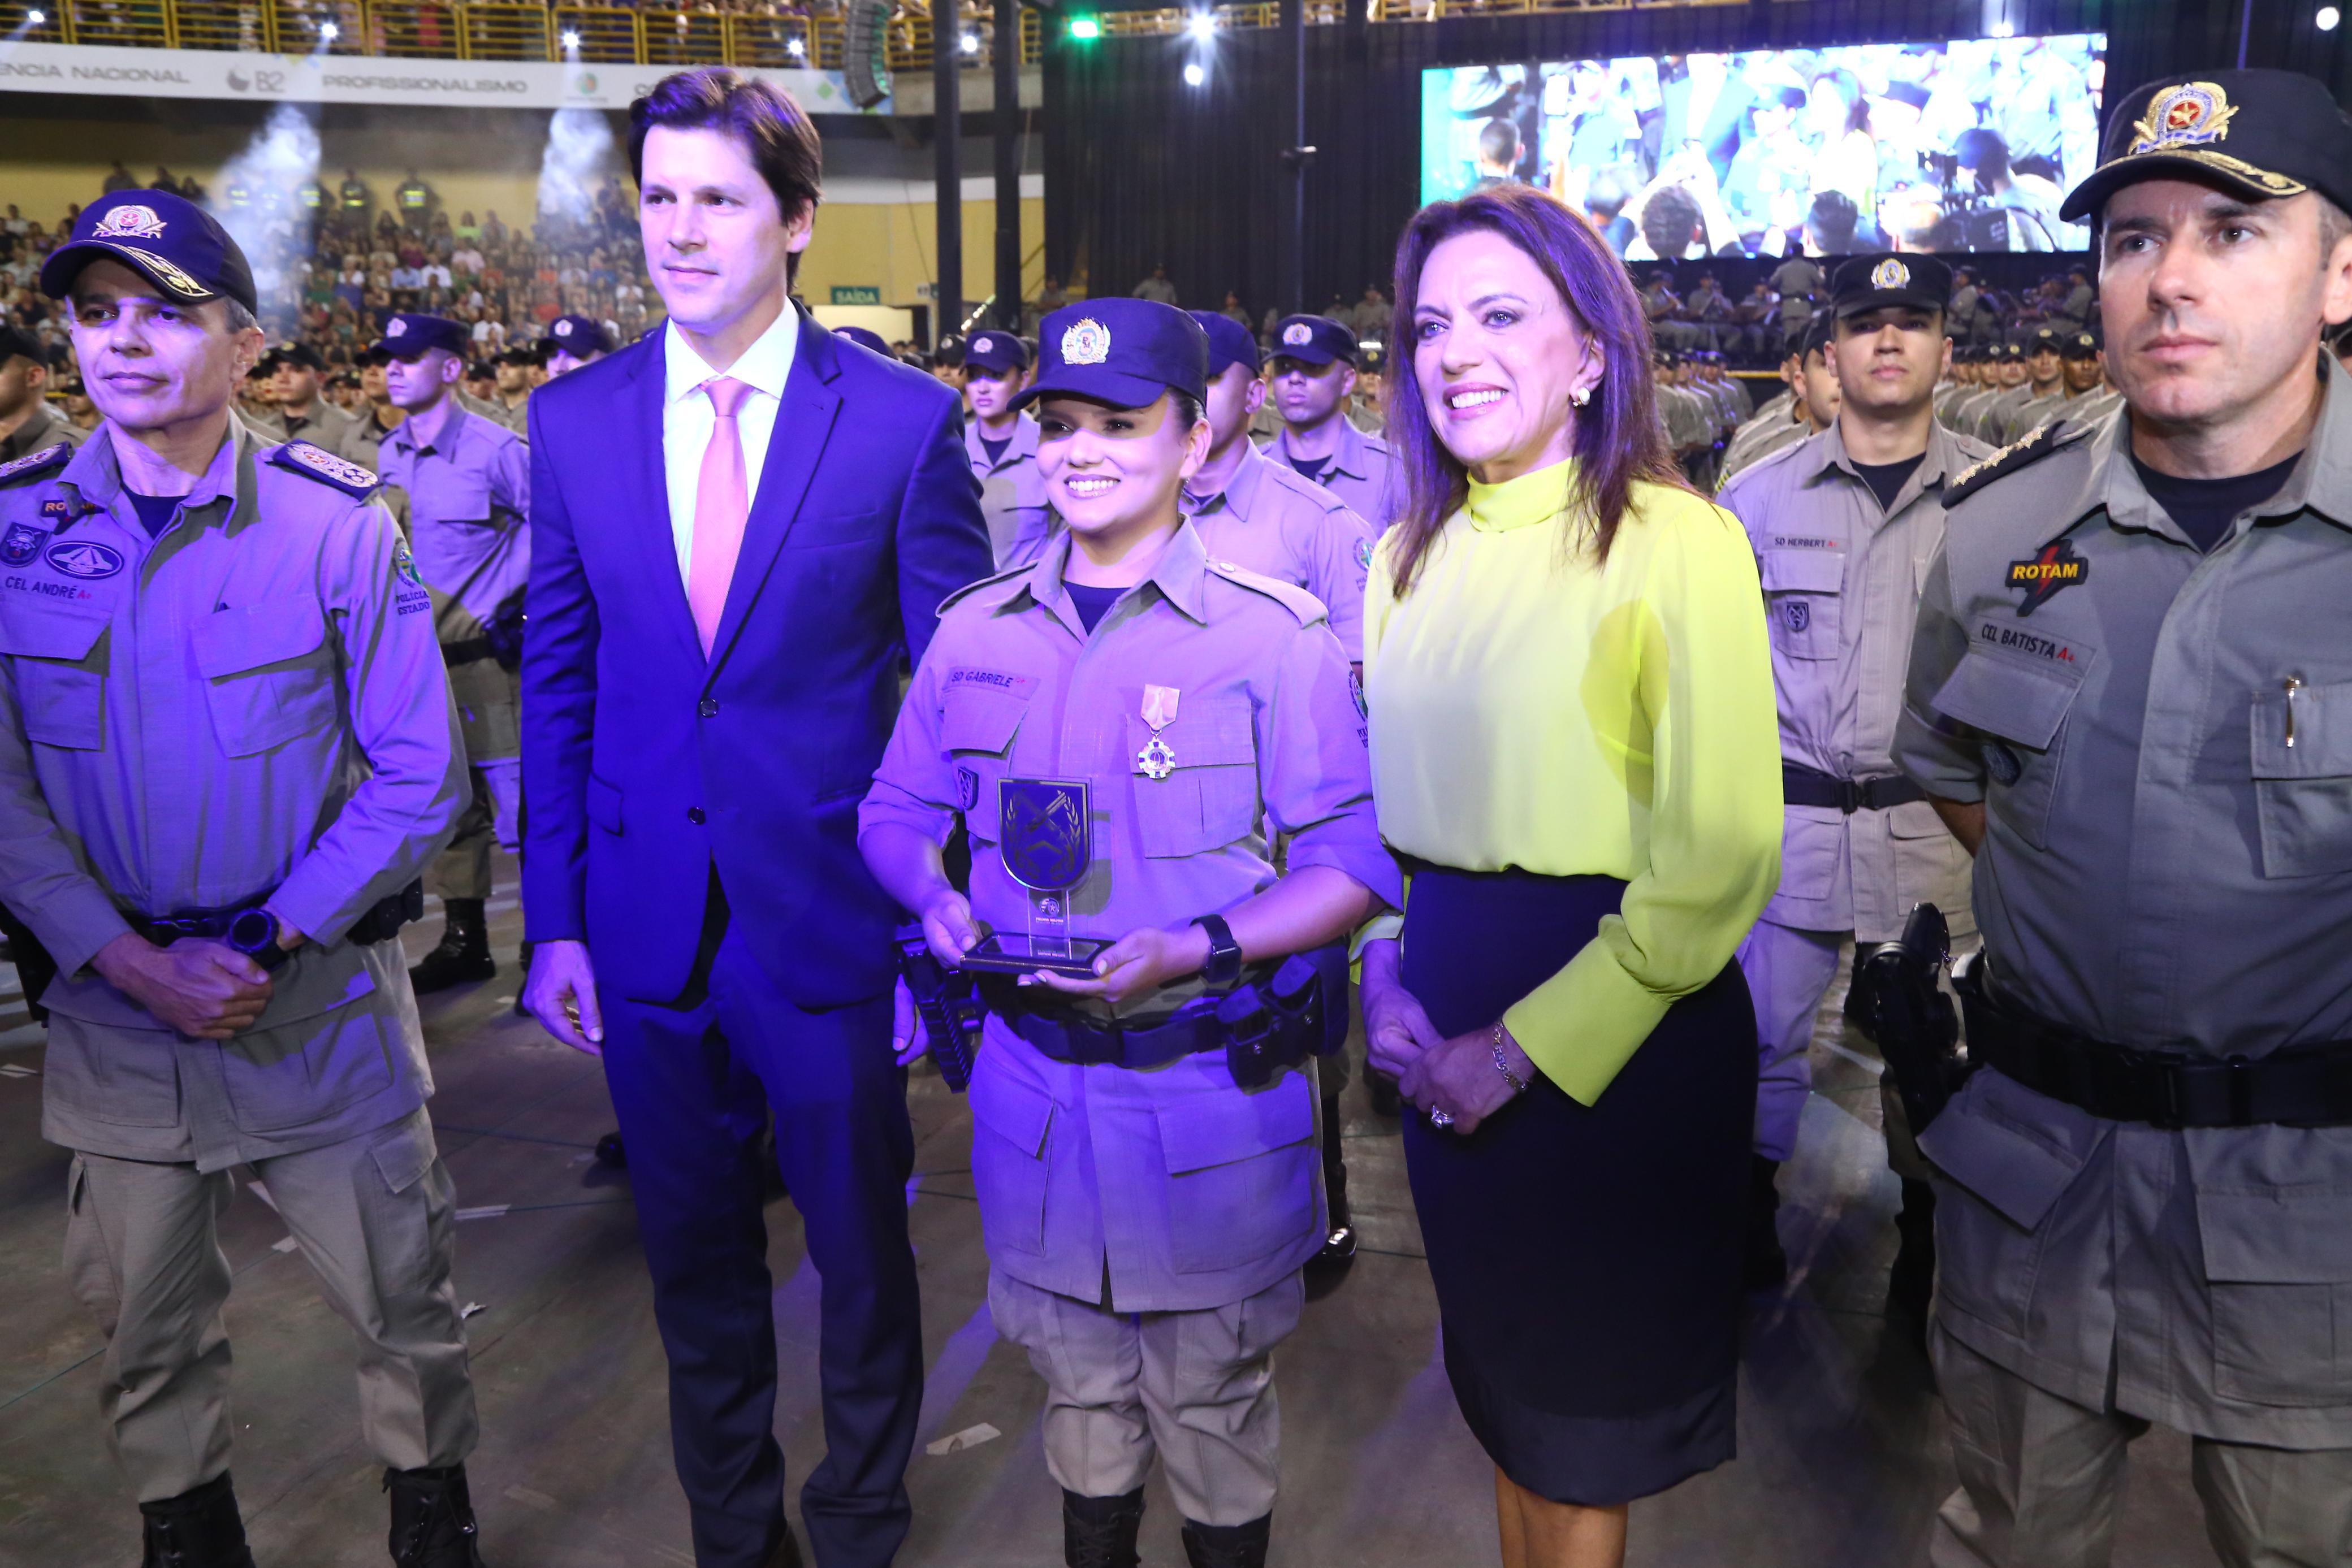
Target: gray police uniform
[494,410]
[362,441]
[43,427]
[2037,410]
[2161,744]
[1272,520]
[467,485]
[326,426]
[1012,493]
[1841,579]
[1362,473]
[249,705]
[1145,1228]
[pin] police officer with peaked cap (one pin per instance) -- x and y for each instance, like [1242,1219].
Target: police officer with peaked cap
[27,423]
[1845,524]
[227,751]
[2129,690]
[299,409]
[1310,376]
[2087,397]
[1002,442]
[1266,518]
[2005,386]
[1137,721]
[468,481]
[573,342]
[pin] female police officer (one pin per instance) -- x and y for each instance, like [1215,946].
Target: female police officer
[1125,726]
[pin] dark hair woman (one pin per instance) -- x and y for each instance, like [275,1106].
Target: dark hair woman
[1574,754]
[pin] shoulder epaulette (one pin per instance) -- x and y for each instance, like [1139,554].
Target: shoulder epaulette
[40,462]
[968,589]
[323,466]
[2017,454]
[1780,453]
[1297,600]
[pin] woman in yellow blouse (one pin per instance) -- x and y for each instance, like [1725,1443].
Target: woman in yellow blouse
[1574,755]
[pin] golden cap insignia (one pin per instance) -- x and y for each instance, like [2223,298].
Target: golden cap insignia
[1296,333]
[167,272]
[130,221]
[1890,274]
[394,328]
[1086,343]
[2194,114]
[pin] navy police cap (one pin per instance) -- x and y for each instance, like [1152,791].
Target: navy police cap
[1869,282]
[2258,134]
[579,336]
[865,338]
[1123,353]
[1230,342]
[996,352]
[170,241]
[1314,340]
[408,336]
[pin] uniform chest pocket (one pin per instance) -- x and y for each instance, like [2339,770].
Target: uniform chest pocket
[267,680]
[977,720]
[60,676]
[2303,792]
[2022,711]
[1209,798]
[1804,592]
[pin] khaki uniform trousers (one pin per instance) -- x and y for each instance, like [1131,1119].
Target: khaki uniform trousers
[2042,1477]
[375,1217]
[488,715]
[1195,1387]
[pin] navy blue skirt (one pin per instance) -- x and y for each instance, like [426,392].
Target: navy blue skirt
[1587,1259]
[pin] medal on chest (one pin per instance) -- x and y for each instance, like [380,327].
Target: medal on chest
[1157,760]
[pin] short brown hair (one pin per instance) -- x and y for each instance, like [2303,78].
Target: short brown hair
[780,139]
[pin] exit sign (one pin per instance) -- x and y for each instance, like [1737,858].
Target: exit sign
[857,294]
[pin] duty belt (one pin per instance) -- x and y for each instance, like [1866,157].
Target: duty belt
[383,919]
[1803,786]
[455,654]
[1086,1042]
[2296,1086]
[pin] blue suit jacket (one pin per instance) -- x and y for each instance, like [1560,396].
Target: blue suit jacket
[646,765]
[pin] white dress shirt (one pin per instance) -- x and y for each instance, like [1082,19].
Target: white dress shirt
[686,419]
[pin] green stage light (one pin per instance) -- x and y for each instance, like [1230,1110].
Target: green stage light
[1086,29]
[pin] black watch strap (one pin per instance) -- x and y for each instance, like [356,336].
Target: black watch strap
[254,933]
[1224,965]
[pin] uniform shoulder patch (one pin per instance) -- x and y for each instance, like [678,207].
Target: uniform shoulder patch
[971,589]
[41,462]
[2017,454]
[1297,600]
[323,466]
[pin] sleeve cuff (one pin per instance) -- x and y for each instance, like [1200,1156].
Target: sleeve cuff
[905,811]
[1581,1026]
[1372,865]
[315,912]
[75,926]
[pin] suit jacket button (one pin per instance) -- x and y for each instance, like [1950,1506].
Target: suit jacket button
[708,707]
[694,815]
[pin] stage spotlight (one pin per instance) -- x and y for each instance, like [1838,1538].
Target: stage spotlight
[1193,75]
[1203,26]
[2004,29]
[328,32]
[970,43]
[34,18]
[2324,18]
[795,48]
[1085,29]
[571,40]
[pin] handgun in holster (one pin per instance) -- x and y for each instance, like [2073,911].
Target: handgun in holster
[1274,1025]
[1899,1005]
[947,1000]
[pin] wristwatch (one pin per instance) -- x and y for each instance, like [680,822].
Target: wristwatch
[1224,965]
[254,933]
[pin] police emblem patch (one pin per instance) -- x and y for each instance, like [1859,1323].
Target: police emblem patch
[2055,567]
[967,787]
[1088,342]
[404,564]
[1298,333]
[319,463]
[2004,765]
[2194,114]
[22,543]
[130,221]
[1798,613]
[85,558]
[1890,274]
[1356,691]
[1364,554]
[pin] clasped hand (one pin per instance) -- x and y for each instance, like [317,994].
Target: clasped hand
[1456,1075]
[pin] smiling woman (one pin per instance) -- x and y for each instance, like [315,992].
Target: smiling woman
[1574,753]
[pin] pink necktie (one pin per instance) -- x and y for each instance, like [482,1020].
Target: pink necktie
[722,500]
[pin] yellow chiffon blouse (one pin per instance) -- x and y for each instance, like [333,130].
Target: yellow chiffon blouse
[1531,708]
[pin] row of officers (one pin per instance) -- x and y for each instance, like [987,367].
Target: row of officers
[1598,783]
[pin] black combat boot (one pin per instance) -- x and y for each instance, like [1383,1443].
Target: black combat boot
[1100,1531]
[1337,1255]
[432,1519]
[198,1529]
[1767,1264]
[464,955]
[1228,1546]
[1912,1282]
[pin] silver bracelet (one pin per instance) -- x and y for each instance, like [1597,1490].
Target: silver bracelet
[1503,1065]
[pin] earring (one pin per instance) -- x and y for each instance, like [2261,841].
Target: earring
[1580,396]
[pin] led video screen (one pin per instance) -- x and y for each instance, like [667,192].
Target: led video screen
[1967,145]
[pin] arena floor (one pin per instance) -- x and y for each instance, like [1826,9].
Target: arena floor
[1842,1453]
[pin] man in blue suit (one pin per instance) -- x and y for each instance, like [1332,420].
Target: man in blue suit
[740,528]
